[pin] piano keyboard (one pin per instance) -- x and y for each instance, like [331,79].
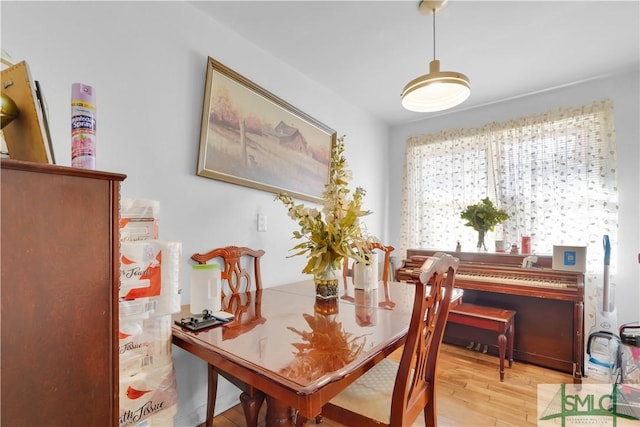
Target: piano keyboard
[498,279]
[512,280]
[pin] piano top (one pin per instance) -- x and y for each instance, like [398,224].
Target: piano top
[491,258]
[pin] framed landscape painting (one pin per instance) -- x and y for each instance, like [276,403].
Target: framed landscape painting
[250,137]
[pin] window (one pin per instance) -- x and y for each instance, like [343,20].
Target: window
[555,174]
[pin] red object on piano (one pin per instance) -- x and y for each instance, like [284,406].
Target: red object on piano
[526,244]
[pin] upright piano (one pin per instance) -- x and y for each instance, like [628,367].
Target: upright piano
[549,324]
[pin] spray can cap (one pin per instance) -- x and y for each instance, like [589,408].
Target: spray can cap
[82,92]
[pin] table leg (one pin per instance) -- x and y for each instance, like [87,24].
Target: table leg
[279,413]
[211,394]
[302,421]
[251,407]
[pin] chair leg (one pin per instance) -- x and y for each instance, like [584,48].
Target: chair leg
[301,421]
[212,375]
[430,416]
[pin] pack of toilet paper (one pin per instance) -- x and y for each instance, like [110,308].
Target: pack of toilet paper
[147,393]
[144,344]
[164,418]
[137,309]
[151,269]
[149,293]
[138,219]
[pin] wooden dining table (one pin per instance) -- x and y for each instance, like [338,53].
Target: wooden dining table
[298,351]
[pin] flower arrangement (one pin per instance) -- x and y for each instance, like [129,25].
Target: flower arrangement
[483,217]
[334,232]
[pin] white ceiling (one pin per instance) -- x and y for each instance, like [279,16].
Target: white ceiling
[366,51]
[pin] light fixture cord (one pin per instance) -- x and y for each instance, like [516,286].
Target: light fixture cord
[434,33]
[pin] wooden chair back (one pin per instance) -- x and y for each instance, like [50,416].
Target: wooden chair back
[236,275]
[386,268]
[240,283]
[415,382]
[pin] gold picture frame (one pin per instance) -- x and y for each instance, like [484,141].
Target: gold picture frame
[27,137]
[250,137]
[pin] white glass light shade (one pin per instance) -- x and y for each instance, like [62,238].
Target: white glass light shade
[435,91]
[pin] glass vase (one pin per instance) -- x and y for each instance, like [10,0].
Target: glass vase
[481,246]
[326,284]
[326,307]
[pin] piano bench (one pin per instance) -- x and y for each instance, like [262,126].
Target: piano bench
[491,319]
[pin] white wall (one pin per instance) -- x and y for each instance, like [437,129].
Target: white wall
[624,91]
[147,62]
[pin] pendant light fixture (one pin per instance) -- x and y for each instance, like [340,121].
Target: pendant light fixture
[438,90]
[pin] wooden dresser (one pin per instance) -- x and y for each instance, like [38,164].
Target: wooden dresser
[549,324]
[59,291]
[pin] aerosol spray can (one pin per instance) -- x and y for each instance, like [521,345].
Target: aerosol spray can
[83,126]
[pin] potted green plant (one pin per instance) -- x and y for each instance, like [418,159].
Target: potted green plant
[483,217]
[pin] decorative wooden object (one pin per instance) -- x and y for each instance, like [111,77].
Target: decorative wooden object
[59,292]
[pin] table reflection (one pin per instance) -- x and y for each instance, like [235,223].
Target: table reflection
[246,308]
[277,330]
[326,348]
[381,291]
[366,303]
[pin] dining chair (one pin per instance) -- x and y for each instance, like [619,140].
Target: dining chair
[239,280]
[392,393]
[234,272]
[386,275]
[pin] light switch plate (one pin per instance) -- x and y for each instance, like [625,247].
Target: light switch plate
[262,222]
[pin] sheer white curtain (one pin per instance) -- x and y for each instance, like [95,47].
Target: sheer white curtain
[554,174]
[443,173]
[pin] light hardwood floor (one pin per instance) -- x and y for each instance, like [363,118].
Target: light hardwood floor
[469,392]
